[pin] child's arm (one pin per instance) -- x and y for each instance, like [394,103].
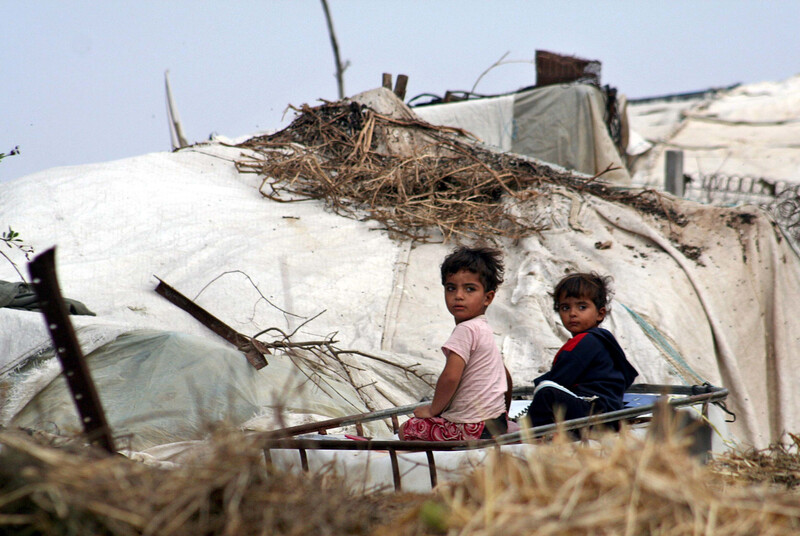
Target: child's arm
[446,387]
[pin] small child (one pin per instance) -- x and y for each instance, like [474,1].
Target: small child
[470,401]
[590,373]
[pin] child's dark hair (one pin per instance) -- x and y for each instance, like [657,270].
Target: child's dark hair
[584,285]
[485,261]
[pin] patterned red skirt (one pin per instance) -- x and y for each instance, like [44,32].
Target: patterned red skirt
[439,429]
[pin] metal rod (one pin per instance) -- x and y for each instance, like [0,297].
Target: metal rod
[431,468]
[45,283]
[718,393]
[522,391]
[253,355]
[374,444]
[674,181]
[338,422]
[506,439]
[396,424]
[303,459]
[395,470]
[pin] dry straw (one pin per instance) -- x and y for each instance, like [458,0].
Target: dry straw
[613,485]
[412,177]
[51,491]
[778,464]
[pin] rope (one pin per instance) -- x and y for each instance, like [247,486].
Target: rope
[672,356]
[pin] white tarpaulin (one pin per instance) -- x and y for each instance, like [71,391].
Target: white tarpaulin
[701,293]
[154,387]
[490,119]
[563,124]
[748,131]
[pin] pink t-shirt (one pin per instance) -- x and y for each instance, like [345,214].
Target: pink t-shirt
[481,393]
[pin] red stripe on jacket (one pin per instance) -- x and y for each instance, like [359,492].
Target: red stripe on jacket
[569,345]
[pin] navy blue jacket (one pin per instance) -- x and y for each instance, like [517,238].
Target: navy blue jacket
[592,363]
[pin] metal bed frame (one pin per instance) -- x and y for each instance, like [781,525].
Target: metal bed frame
[286,438]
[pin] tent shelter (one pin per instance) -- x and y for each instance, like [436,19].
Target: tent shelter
[563,124]
[702,293]
[745,131]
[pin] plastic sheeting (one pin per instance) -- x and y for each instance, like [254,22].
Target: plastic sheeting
[160,387]
[701,294]
[562,124]
[749,131]
[724,317]
[490,119]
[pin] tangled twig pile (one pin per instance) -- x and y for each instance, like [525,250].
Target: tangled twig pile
[324,357]
[410,176]
[778,464]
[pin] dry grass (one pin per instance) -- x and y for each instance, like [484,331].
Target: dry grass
[777,465]
[622,487]
[412,177]
[53,491]
[616,485]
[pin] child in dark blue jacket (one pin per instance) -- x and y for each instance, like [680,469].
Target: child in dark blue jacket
[590,373]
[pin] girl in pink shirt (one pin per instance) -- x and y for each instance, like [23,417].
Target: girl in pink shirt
[474,389]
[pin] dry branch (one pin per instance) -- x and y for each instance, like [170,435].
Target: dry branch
[347,155]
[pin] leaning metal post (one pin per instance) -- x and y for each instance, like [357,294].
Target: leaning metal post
[43,275]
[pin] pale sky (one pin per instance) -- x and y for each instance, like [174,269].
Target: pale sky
[83,82]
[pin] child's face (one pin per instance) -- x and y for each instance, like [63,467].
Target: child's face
[465,295]
[579,314]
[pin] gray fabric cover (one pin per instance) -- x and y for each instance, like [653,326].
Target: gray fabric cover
[21,296]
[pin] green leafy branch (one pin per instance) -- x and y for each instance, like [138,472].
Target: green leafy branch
[12,240]
[11,237]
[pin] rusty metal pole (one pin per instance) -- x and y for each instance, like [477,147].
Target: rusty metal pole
[250,347]
[43,276]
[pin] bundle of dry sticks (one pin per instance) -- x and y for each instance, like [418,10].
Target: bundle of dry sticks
[410,176]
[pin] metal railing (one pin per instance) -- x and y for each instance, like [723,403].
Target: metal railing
[781,199]
[285,438]
[735,189]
